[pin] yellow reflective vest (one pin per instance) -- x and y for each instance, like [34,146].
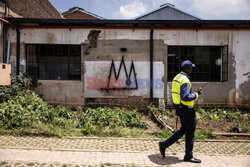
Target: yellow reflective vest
[177,82]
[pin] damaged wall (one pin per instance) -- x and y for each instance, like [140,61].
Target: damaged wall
[68,93]
[104,45]
[53,91]
[241,51]
[98,63]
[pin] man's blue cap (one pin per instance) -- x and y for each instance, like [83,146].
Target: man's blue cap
[187,64]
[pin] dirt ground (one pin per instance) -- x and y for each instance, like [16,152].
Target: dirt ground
[152,127]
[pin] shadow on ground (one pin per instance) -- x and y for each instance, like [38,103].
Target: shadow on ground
[168,160]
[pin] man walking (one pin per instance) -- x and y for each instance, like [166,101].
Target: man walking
[183,102]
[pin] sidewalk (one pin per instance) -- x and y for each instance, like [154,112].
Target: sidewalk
[38,151]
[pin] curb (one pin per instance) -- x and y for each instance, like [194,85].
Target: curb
[233,134]
[73,150]
[113,138]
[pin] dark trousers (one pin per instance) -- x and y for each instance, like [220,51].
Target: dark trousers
[188,125]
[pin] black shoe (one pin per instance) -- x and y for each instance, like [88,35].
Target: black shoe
[162,149]
[194,160]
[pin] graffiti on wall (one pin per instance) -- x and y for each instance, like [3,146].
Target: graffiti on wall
[233,100]
[129,74]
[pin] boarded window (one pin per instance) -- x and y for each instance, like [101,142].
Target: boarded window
[54,62]
[210,61]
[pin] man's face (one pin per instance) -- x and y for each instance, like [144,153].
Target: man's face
[189,70]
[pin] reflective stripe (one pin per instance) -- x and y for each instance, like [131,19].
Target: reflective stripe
[176,81]
[175,93]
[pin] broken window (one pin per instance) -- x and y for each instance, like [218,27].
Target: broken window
[53,62]
[210,62]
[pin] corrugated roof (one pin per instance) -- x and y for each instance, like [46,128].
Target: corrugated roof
[165,6]
[75,9]
[34,9]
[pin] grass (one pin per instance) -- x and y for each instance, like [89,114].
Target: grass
[3,163]
[42,165]
[17,164]
[123,132]
[42,130]
[30,164]
[57,131]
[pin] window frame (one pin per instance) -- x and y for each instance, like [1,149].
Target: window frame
[223,61]
[38,54]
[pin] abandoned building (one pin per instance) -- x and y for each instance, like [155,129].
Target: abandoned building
[131,62]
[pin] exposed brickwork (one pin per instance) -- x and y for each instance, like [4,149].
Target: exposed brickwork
[79,15]
[92,41]
[34,9]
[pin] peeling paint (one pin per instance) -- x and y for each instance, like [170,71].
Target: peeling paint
[92,41]
[50,38]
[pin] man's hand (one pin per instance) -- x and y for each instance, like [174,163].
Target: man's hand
[199,91]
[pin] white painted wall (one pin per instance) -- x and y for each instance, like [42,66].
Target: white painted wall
[193,37]
[241,50]
[52,36]
[170,37]
[100,70]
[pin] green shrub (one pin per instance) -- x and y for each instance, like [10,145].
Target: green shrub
[238,127]
[29,108]
[112,118]
[223,114]
[27,113]
[18,85]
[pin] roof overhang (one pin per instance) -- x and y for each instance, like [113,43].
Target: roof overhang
[140,24]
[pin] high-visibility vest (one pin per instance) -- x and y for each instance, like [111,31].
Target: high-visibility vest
[177,82]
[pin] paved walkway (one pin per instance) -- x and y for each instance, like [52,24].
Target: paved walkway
[39,151]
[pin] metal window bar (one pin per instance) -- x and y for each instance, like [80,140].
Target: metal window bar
[188,52]
[39,56]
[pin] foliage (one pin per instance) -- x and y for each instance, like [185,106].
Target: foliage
[120,132]
[200,134]
[223,114]
[29,109]
[238,127]
[24,112]
[168,116]
[29,114]
[204,134]
[93,120]
[165,133]
[230,119]
[18,86]
[212,118]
